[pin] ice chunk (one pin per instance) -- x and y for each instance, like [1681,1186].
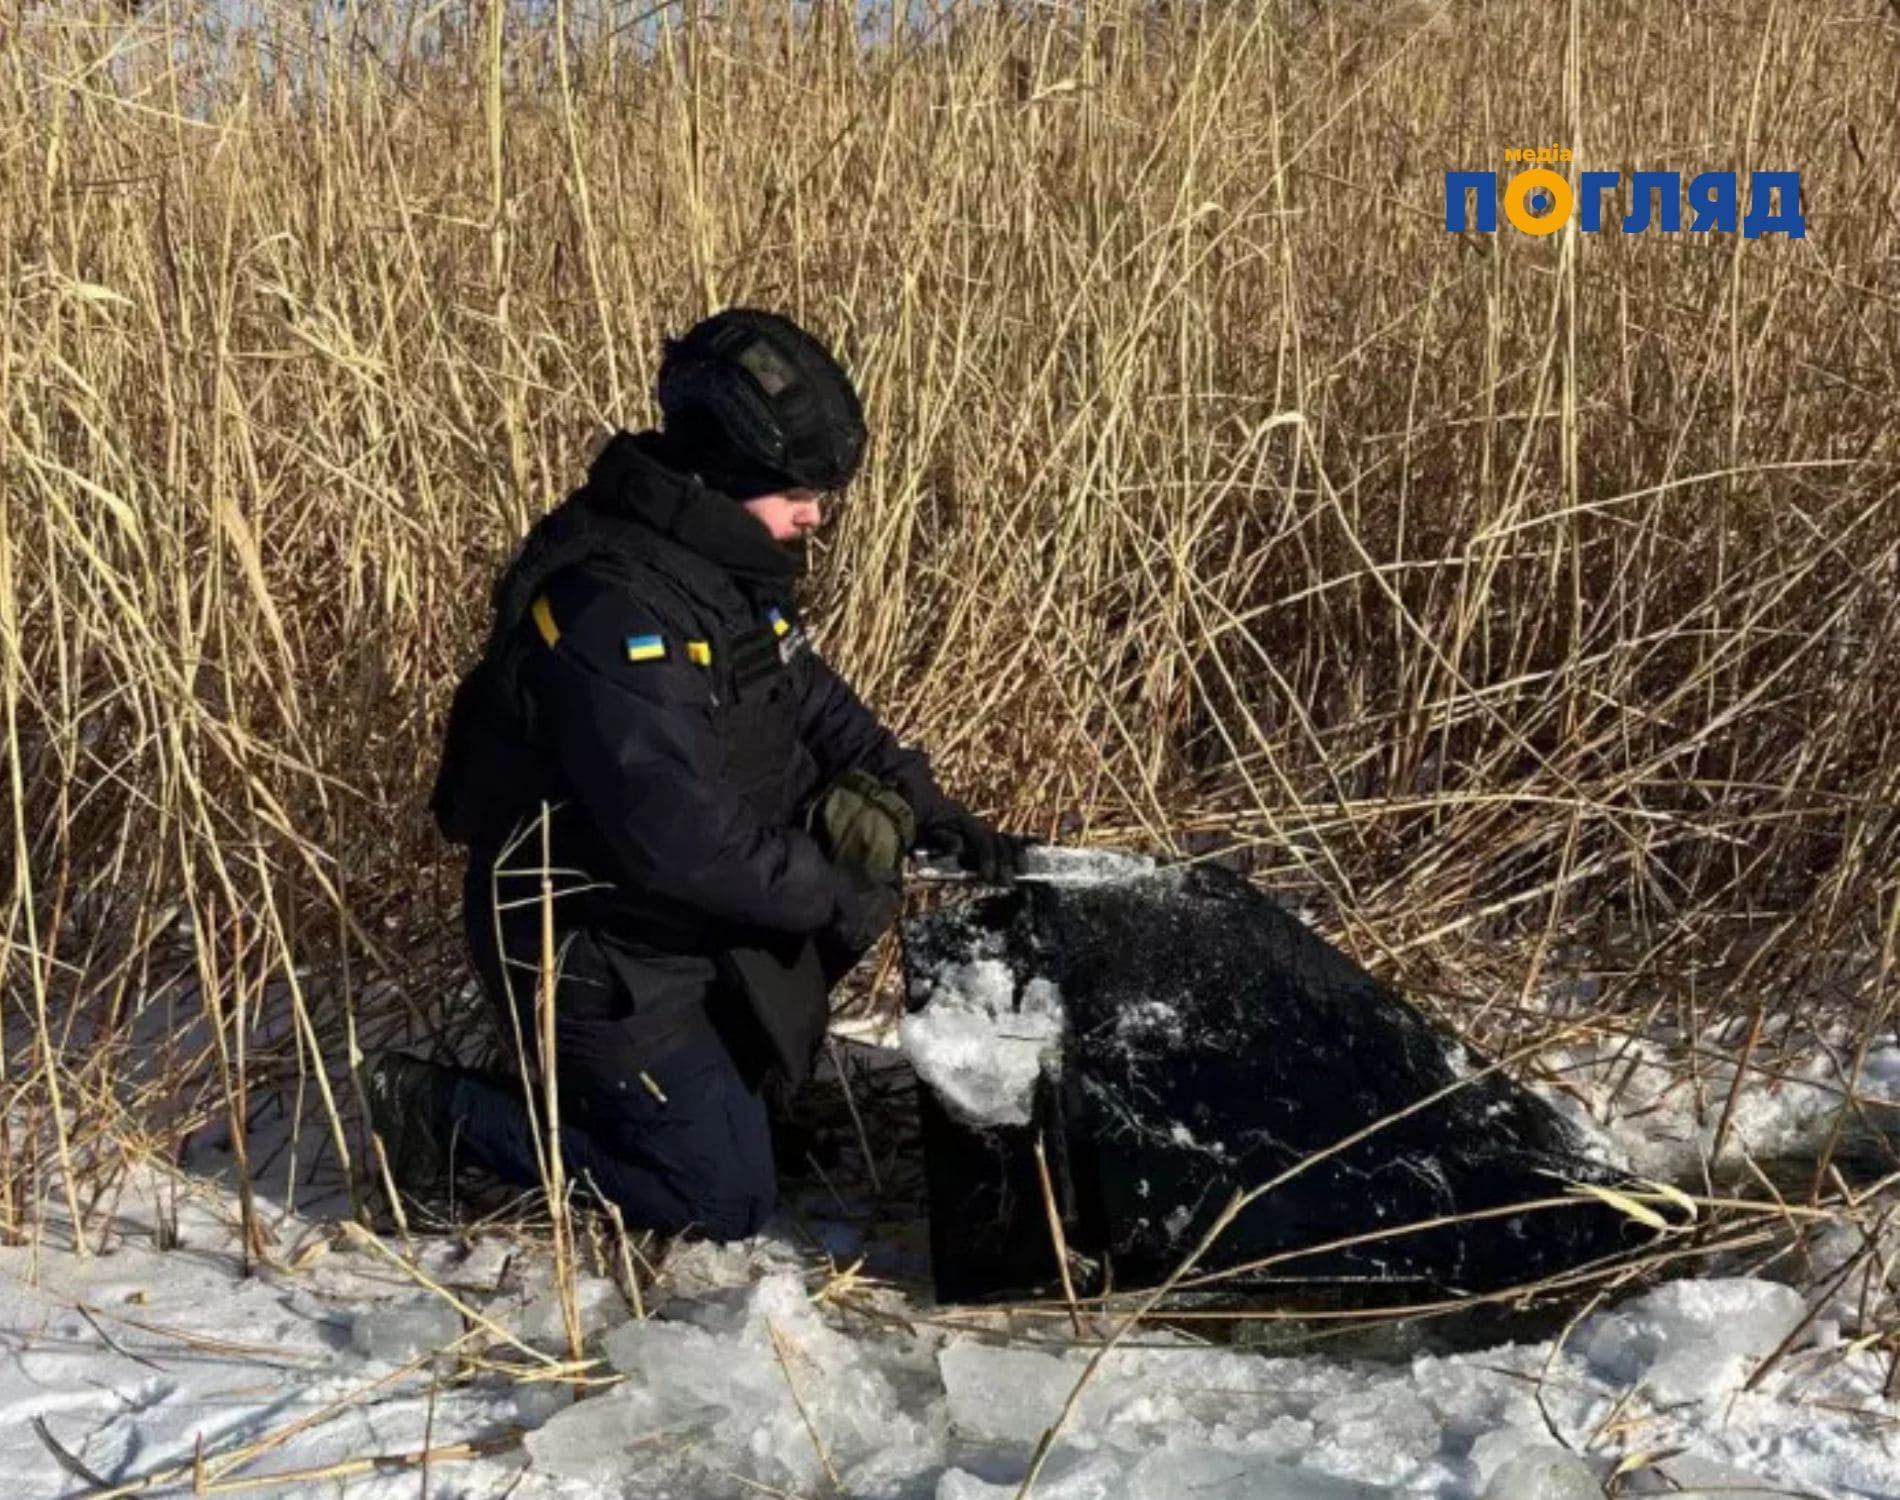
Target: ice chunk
[979,1046]
[1692,1478]
[398,1331]
[757,1381]
[597,1303]
[1693,1340]
[1137,1397]
[600,1440]
[1004,1395]
[1177,1471]
[699,1266]
[1544,1474]
[1850,1258]
[1066,1476]
[1380,1434]
[539,1401]
[1190,1473]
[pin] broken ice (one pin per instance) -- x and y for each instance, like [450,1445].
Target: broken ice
[398,1331]
[750,1385]
[597,1305]
[1694,1340]
[1544,1474]
[979,1046]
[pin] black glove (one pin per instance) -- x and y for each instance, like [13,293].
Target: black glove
[987,852]
[865,910]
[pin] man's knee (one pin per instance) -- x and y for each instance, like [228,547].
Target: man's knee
[734,1193]
[694,1143]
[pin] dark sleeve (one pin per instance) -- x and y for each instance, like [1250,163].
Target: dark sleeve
[635,744]
[843,735]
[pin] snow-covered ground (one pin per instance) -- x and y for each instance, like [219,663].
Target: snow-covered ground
[769,1369]
[783,1367]
[1642,1108]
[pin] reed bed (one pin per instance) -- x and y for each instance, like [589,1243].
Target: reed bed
[1519,605]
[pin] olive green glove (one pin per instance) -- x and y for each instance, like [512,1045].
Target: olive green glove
[865,824]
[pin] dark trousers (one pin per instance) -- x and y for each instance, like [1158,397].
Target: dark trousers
[655,1115]
[683,1147]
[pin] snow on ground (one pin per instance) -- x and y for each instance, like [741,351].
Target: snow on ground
[133,1357]
[1640,1107]
[762,1370]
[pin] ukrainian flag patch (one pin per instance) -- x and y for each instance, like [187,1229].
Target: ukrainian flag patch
[779,627]
[646,648]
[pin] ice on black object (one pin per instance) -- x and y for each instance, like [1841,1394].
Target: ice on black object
[1209,1043]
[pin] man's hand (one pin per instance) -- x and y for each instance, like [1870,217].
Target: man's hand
[862,822]
[865,910]
[985,851]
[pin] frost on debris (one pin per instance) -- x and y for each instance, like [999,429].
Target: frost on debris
[711,1398]
[1060,866]
[398,1331]
[1544,1474]
[977,1046]
[1693,1340]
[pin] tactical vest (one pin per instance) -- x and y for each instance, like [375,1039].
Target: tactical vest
[497,766]
[495,760]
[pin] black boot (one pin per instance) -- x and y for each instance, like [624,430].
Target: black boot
[409,1107]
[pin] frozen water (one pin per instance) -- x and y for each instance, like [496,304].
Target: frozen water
[699,1266]
[597,1303]
[1693,1340]
[1190,1473]
[399,1331]
[1170,1472]
[980,1047]
[1067,1476]
[1852,1259]
[597,1441]
[730,1385]
[1004,1395]
[706,1411]
[539,1401]
[1544,1474]
[1647,1117]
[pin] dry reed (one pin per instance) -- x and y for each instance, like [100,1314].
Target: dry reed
[1510,600]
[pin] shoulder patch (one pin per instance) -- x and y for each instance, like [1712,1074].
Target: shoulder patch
[646,648]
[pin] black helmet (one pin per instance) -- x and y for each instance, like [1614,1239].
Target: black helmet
[755,404]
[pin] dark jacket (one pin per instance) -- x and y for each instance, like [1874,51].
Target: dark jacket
[648,678]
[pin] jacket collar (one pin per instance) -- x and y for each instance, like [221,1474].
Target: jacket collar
[633,479]
[635,503]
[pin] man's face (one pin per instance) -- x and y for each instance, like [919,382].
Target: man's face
[790,516]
